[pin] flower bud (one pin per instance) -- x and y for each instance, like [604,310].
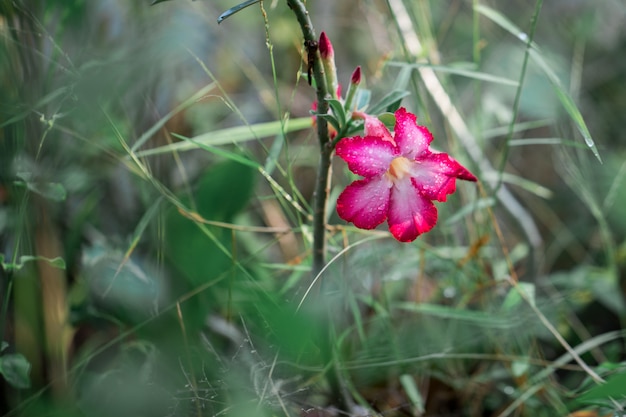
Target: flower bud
[326,48]
[356,76]
[355,80]
[327,54]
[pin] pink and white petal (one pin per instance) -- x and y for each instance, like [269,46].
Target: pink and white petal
[368,156]
[410,213]
[365,202]
[413,140]
[374,127]
[435,175]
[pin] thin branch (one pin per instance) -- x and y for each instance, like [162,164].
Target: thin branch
[323,172]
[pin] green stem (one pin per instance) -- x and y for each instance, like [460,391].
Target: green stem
[518,94]
[5,304]
[322,186]
[326,149]
[477,63]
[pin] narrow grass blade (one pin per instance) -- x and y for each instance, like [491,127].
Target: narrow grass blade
[158,125]
[566,100]
[231,135]
[16,266]
[389,100]
[502,21]
[139,231]
[403,79]
[470,208]
[245,161]
[411,390]
[40,104]
[464,72]
[222,152]
[519,127]
[479,318]
[228,13]
[530,186]
[614,387]
[545,141]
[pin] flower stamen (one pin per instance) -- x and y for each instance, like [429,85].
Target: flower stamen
[399,167]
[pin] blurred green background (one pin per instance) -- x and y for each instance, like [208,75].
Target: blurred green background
[143,274]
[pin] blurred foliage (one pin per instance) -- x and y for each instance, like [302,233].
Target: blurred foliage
[140,278]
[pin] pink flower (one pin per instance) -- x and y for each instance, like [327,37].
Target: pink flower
[402,177]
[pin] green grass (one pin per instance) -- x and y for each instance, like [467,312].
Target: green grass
[156,213]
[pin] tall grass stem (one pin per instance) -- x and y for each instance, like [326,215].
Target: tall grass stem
[518,93]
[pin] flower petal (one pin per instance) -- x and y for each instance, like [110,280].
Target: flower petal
[412,140]
[368,156]
[435,175]
[410,213]
[365,202]
[374,127]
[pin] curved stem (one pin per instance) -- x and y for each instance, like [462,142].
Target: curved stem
[326,149]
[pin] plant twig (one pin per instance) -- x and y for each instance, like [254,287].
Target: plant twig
[321,192]
[326,150]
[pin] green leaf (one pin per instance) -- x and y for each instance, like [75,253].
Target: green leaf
[231,135]
[228,13]
[220,193]
[363,97]
[480,318]
[601,284]
[233,156]
[566,100]
[41,103]
[332,120]
[388,119]
[159,124]
[338,111]
[514,298]
[274,154]
[502,21]
[15,369]
[520,368]
[523,183]
[388,102]
[120,287]
[468,73]
[615,388]
[470,208]
[518,127]
[49,190]
[402,79]
[412,392]
[57,262]
[545,141]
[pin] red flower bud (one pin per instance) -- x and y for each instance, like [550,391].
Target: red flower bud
[355,80]
[328,61]
[356,76]
[326,48]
